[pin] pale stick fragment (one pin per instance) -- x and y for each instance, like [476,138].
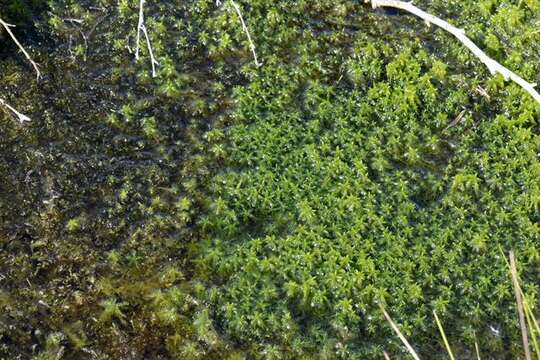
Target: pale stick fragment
[493,66]
[482,92]
[141,27]
[251,44]
[21,117]
[8,29]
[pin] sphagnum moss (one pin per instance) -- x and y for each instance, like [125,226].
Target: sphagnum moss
[223,210]
[384,200]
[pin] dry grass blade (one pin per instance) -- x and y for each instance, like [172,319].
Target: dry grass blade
[441,330]
[386,356]
[528,309]
[477,351]
[399,334]
[517,291]
[531,321]
[457,120]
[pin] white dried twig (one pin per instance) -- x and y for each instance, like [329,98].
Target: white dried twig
[493,66]
[21,117]
[141,27]
[8,29]
[251,44]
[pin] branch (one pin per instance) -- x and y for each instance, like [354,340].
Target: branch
[8,29]
[142,27]
[21,117]
[493,66]
[251,45]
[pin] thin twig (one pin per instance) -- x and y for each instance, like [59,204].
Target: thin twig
[386,356]
[439,325]
[515,281]
[251,44]
[142,27]
[399,334]
[21,117]
[8,29]
[534,323]
[493,66]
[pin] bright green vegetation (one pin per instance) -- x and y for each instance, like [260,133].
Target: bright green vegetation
[227,211]
[348,200]
[344,186]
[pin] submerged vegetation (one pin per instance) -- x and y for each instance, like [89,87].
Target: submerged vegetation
[228,210]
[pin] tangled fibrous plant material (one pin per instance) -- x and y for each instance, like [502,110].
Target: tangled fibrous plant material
[141,27]
[493,66]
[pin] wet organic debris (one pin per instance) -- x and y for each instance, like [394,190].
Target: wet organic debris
[224,210]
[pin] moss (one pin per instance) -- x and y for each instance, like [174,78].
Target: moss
[222,210]
[340,194]
[73,225]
